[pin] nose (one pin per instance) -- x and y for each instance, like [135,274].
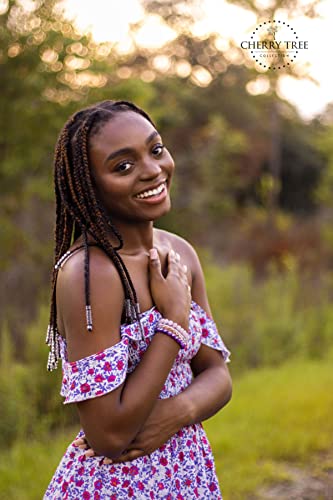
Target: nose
[150,168]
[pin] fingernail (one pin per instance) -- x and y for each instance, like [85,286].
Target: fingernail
[153,254]
[172,253]
[185,267]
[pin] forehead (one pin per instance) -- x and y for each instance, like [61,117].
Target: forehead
[124,129]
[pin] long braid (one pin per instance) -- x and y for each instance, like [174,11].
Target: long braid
[86,282]
[79,211]
[103,221]
[83,148]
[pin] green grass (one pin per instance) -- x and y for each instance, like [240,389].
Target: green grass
[27,468]
[275,415]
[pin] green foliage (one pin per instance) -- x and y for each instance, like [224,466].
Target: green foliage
[26,469]
[266,322]
[324,143]
[29,395]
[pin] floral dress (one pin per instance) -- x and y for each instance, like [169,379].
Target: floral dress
[183,468]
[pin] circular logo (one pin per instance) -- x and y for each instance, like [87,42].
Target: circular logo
[274,45]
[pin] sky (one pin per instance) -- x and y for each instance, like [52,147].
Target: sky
[112,24]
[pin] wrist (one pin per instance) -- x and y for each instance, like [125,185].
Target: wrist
[174,330]
[177,318]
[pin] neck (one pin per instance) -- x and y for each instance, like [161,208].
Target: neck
[138,237]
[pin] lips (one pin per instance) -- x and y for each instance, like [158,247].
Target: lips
[151,188]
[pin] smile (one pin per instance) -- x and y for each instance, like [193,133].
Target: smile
[153,192]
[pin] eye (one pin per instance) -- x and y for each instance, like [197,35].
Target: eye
[158,149]
[123,164]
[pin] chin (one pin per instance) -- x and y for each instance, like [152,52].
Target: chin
[161,213]
[165,209]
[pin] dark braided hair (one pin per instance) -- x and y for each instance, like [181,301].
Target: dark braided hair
[79,212]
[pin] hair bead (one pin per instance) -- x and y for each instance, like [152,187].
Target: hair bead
[89,319]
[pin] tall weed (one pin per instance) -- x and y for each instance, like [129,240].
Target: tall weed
[267,322]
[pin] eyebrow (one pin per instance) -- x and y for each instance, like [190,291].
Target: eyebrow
[122,151]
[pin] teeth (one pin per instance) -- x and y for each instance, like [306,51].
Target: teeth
[152,192]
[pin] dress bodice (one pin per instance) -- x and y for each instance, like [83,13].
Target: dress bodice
[104,371]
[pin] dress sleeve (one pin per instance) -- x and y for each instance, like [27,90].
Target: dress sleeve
[95,375]
[210,335]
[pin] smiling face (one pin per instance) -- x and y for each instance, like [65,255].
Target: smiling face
[128,158]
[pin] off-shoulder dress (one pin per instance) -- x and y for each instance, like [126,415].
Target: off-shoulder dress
[183,468]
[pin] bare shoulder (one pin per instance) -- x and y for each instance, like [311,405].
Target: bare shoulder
[101,267]
[106,299]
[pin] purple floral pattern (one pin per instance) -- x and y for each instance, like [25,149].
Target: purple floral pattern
[94,375]
[183,468]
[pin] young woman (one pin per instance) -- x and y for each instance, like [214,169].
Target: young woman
[142,381]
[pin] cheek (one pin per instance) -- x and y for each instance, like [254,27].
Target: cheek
[169,163]
[114,193]
[108,185]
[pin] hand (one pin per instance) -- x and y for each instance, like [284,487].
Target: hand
[172,295]
[160,426]
[83,444]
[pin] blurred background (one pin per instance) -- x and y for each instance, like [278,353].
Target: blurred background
[253,192]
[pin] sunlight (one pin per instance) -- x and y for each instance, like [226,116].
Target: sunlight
[110,21]
[103,21]
[230,21]
[114,26]
[154,33]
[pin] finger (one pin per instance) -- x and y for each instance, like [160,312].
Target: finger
[173,256]
[184,278]
[155,264]
[78,442]
[182,268]
[90,453]
[173,267]
[129,455]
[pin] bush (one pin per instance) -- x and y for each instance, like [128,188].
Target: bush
[267,322]
[29,395]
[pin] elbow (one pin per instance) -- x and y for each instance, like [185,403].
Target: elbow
[108,445]
[228,394]
[227,390]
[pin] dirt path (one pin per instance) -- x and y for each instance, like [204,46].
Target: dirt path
[314,482]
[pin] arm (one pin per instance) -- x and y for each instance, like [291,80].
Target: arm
[208,393]
[212,386]
[210,390]
[111,421]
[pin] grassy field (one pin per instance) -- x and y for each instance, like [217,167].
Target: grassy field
[275,416]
